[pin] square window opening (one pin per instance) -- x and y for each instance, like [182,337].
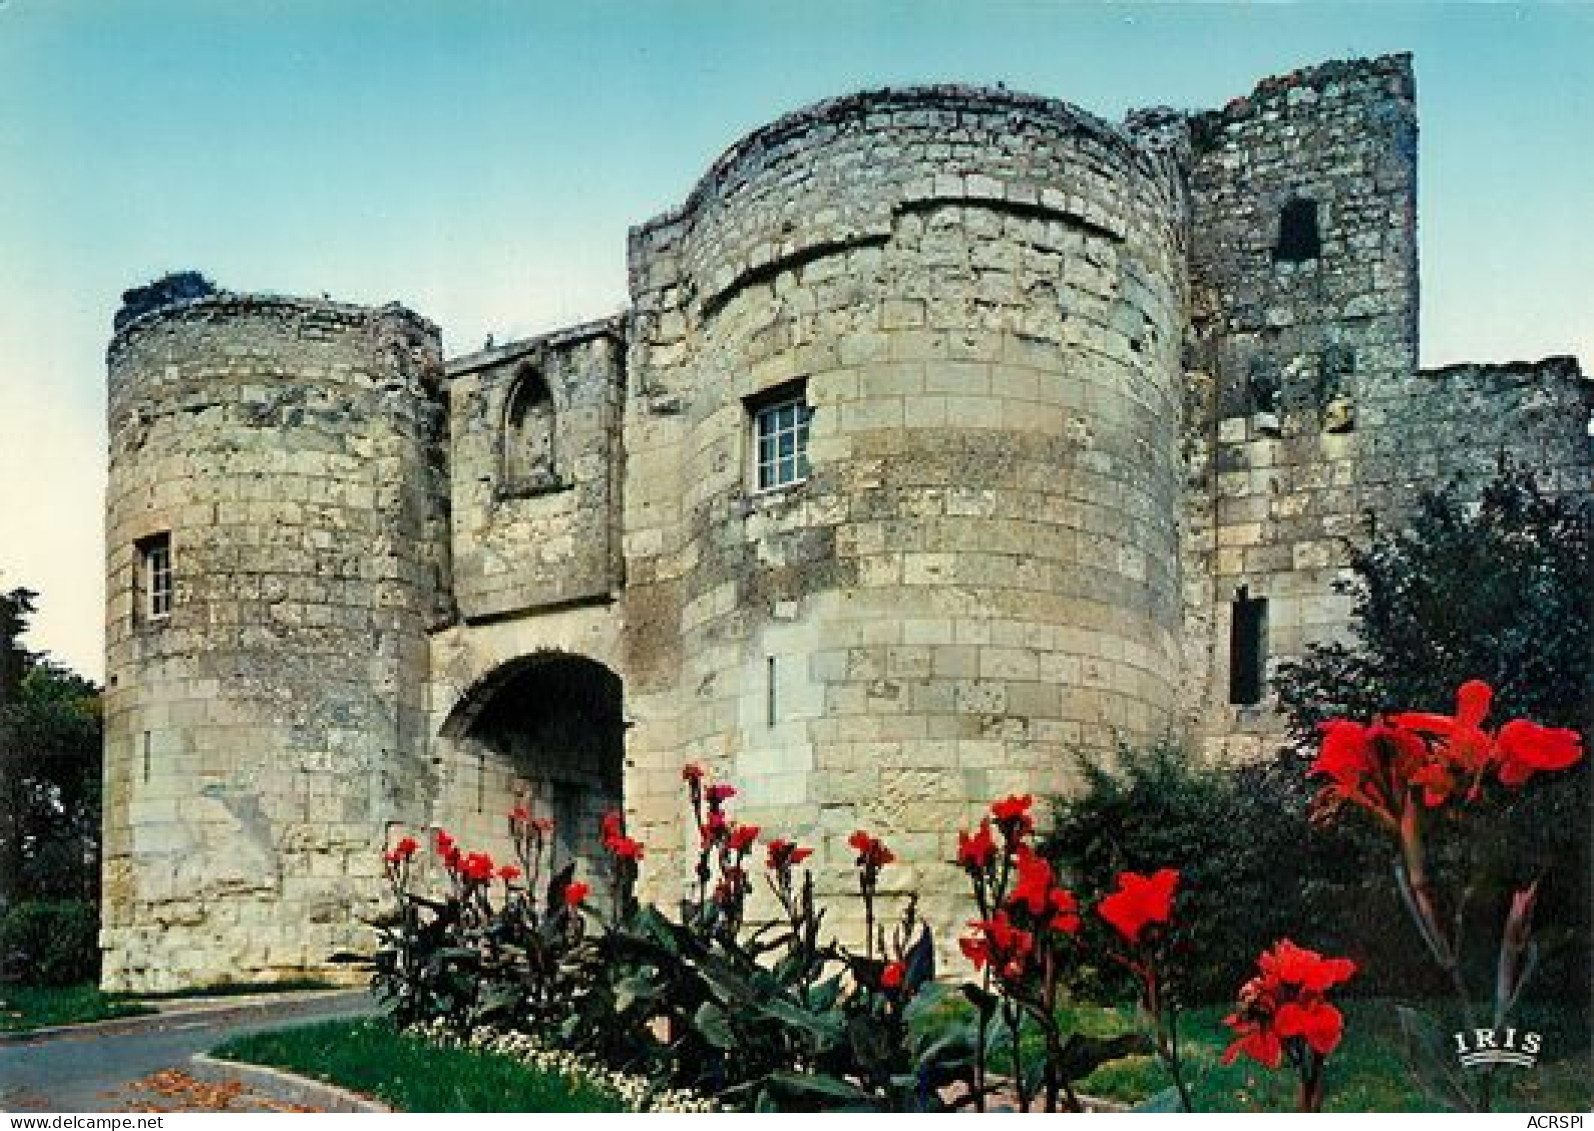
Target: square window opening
[780,433]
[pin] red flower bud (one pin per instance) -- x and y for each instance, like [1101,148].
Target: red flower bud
[742,837]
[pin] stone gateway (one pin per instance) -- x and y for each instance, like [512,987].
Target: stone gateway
[949,433]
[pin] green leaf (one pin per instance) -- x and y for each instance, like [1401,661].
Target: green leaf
[634,988]
[823,1029]
[919,962]
[873,1042]
[817,1084]
[932,996]
[825,995]
[1432,1061]
[714,1025]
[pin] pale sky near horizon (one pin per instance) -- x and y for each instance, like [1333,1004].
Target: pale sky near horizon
[481,162]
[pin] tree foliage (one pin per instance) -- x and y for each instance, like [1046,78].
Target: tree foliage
[1498,590]
[50,737]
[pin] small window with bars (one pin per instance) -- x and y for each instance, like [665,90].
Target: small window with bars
[155,577]
[780,433]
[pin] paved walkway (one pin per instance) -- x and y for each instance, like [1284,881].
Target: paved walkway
[141,1064]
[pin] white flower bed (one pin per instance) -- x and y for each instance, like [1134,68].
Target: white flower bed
[633,1091]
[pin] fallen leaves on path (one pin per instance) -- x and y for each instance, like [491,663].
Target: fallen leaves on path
[174,1091]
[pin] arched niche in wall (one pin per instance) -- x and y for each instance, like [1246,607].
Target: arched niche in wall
[529,464]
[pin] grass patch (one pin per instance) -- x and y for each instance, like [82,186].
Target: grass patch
[1367,1073]
[371,1057]
[36,1007]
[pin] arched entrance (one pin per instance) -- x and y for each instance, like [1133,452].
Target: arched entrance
[548,731]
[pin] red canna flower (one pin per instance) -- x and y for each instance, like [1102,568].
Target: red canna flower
[1065,912]
[520,813]
[1527,748]
[742,837]
[624,848]
[403,851]
[1285,1002]
[1012,816]
[476,866]
[1372,766]
[1034,886]
[891,976]
[872,853]
[976,852]
[1316,1022]
[1462,740]
[508,873]
[1294,965]
[443,843]
[613,826]
[1139,902]
[719,793]
[542,825]
[783,853]
[575,893]
[999,944]
[691,772]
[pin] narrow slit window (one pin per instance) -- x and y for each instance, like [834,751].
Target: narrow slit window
[771,704]
[1299,239]
[1247,649]
[155,578]
[780,437]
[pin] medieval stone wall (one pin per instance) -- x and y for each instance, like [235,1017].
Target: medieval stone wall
[537,527]
[1303,307]
[262,735]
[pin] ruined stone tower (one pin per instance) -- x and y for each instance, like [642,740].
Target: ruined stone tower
[274,525]
[950,433]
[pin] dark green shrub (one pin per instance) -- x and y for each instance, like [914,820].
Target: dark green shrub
[1253,868]
[51,942]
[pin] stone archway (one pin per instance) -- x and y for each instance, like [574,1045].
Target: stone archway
[546,730]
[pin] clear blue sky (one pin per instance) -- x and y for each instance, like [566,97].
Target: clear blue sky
[481,162]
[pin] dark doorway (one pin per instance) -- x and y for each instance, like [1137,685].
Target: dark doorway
[556,721]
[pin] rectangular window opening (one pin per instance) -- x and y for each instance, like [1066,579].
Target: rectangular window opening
[771,704]
[1247,649]
[155,577]
[780,434]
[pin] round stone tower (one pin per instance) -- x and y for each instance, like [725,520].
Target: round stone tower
[975,299]
[276,551]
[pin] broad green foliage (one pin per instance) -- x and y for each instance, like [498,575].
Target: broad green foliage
[773,1016]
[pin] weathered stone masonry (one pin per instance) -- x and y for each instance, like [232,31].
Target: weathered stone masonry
[1076,390]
